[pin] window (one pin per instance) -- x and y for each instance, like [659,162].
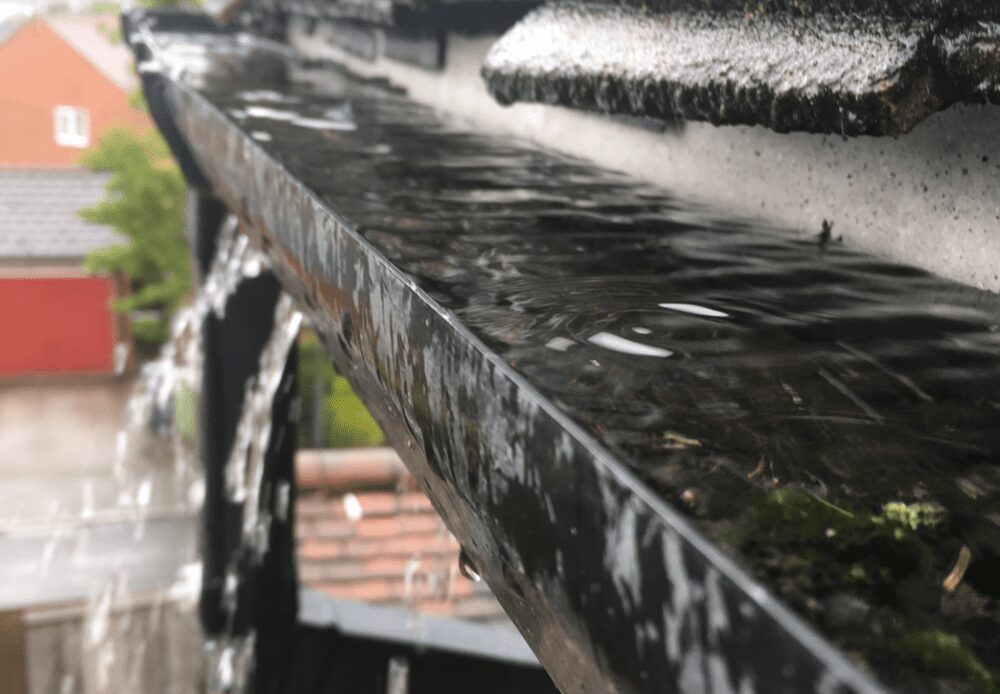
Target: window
[72,126]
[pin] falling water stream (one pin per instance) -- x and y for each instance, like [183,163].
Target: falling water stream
[129,547]
[142,588]
[231,655]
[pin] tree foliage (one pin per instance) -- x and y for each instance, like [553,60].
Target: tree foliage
[342,418]
[145,203]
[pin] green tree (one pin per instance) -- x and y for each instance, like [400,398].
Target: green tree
[145,204]
[328,401]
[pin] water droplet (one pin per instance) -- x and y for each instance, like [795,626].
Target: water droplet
[620,344]
[187,588]
[121,449]
[87,507]
[144,493]
[560,344]
[225,671]
[268,96]
[98,614]
[230,592]
[196,493]
[695,310]
[398,677]
[120,358]
[352,508]
[409,576]
[105,659]
[282,496]
[467,568]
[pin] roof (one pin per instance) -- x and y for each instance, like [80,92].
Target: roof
[38,214]
[493,641]
[367,534]
[10,25]
[89,35]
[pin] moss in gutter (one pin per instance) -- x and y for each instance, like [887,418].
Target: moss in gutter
[944,654]
[918,515]
[884,560]
[856,546]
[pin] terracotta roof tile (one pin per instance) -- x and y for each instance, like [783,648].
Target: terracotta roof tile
[408,546]
[365,534]
[378,503]
[372,590]
[396,525]
[371,504]
[351,469]
[319,550]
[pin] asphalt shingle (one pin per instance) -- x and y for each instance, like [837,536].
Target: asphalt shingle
[38,214]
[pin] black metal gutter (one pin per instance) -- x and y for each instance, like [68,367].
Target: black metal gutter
[565,357]
[555,539]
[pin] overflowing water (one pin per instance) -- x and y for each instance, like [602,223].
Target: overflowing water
[163,412]
[230,655]
[162,431]
[129,548]
[245,468]
[163,426]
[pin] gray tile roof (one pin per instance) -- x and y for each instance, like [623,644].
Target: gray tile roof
[38,214]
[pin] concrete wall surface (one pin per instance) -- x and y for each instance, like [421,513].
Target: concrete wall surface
[930,198]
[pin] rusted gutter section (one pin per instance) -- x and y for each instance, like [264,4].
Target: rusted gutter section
[614,590]
[874,73]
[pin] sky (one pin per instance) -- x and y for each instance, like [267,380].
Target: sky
[9,10]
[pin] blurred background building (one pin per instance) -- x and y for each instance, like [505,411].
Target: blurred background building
[63,84]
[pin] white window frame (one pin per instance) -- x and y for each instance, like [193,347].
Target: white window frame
[72,126]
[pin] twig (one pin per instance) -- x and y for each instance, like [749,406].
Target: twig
[952,580]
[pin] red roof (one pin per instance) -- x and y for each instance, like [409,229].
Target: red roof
[367,533]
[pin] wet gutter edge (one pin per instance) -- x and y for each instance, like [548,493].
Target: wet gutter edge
[285,217]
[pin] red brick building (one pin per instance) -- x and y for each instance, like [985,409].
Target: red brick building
[63,84]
